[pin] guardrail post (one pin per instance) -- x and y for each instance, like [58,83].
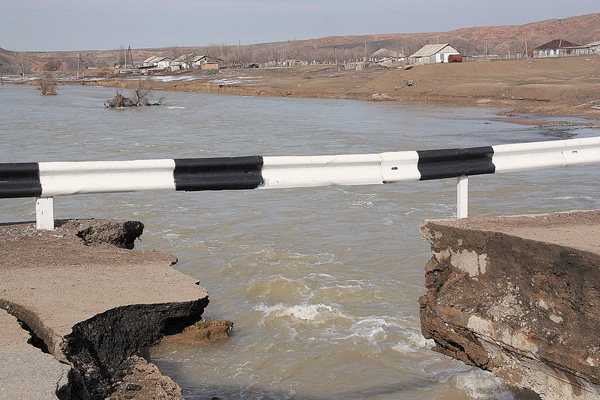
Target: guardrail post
[44,213]
[462,196]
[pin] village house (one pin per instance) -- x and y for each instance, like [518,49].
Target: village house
[165,63]
[150,64]
[384,53]
[152,61]
[206,62]
[184,61]
[386,58]
[560,48]
[435,53]
[594,47]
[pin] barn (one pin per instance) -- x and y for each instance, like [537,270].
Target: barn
[433,53]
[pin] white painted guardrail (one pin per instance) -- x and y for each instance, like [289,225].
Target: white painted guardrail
[44,180]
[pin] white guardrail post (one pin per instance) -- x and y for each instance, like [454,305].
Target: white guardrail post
[462,196]
[44,180]
[44,213]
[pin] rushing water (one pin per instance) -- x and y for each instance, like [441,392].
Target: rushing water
[322,283]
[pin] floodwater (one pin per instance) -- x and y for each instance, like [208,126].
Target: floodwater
[321,283]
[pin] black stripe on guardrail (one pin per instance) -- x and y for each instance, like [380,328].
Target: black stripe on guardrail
[20,180]
[449,163]
[227,173]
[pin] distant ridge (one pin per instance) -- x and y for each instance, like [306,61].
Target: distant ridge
[500,40]
[472,41]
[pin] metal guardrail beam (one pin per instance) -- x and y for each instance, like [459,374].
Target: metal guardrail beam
[49,179]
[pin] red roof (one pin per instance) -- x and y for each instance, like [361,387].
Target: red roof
[557,44]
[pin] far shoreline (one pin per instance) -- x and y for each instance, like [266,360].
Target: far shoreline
[522,89]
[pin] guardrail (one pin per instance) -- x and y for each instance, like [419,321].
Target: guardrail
[44,180]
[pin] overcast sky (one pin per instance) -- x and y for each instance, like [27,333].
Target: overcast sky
[45,25]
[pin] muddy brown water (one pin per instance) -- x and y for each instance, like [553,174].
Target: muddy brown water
[322,283]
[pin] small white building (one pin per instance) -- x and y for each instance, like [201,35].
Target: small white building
[433,53]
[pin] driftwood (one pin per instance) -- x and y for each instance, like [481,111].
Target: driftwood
[140,98]
[47,85]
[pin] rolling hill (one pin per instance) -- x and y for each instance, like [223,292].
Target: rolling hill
[483,40]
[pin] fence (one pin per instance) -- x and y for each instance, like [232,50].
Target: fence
[45,180]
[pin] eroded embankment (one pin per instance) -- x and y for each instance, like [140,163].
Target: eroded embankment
[92,303]
[519,296]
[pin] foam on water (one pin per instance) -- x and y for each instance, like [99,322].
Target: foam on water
[371,329]
[479,384]
[315,313]
[415,342]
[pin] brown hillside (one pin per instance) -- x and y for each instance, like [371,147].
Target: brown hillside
[471,41]
[498,40]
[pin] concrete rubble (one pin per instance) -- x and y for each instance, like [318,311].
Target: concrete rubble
[519,296]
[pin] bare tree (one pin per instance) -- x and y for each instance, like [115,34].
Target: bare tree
[18,63]
[141,97]
[47,84]
[175,51]
[142,93]
[120,55]
[218,50]
[240,55]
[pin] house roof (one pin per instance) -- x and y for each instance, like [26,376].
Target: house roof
[386,53]
[430,49]
[185,57]
[154,59]
[147,60]
[557,44]
[206,58]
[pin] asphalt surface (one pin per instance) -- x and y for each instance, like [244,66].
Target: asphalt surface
[52,280]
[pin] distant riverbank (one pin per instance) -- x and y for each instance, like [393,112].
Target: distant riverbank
[550,87]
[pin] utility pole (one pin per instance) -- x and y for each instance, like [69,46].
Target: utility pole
[130,57]
[78,65]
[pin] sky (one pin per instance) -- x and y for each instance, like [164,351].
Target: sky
[55,25]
